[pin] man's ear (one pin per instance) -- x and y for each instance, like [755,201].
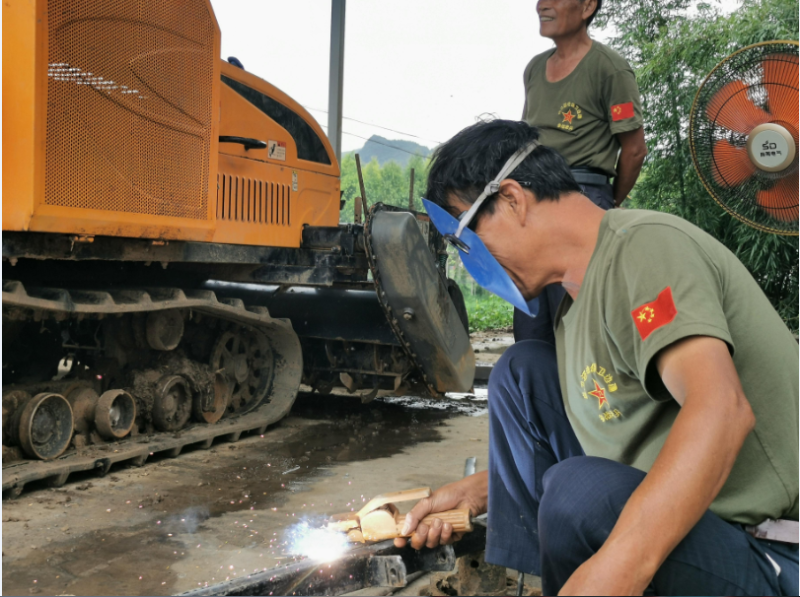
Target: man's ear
[517,200]
[589,8]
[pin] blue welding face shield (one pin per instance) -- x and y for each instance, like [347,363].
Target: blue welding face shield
[480,263]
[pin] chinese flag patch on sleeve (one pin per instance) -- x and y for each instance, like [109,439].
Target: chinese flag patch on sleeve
[658,313]
[622,111]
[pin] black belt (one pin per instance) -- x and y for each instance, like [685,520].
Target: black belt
[590,176]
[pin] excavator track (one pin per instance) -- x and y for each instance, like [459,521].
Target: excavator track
[244,339]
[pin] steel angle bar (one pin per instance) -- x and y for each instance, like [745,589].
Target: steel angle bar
[379,564]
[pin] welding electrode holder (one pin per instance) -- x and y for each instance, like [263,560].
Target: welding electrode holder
[380,519]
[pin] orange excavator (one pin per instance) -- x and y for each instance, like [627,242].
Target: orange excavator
[174,266]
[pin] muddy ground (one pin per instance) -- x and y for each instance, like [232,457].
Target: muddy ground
[210,515]
[489,345]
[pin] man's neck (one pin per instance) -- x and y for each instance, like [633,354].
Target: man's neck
[574,46]
[575,238]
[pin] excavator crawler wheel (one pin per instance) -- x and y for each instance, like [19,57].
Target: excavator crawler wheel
[164,329]
[114,414]
[246,360]
[43,426]
[173,403]
[210,408]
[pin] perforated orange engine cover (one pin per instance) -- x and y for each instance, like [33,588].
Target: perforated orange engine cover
[124,97]
[113,111]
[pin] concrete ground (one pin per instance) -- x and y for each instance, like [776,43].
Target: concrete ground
[489,345]
[206,516]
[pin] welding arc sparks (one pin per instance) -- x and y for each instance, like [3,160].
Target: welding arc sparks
[322,544]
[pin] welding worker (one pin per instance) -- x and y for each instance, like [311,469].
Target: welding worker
[668,437]
[583,98]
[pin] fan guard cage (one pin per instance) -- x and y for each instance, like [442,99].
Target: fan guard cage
[739,197]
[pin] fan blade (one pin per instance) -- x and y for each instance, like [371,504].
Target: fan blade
[731,165]
[781,201]
[781,80]
[731,108]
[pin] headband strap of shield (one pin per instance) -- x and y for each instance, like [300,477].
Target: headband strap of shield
[494,186]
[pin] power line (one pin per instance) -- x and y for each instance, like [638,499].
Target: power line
[378,126]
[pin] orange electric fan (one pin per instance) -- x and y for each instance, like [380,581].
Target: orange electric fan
[743,135]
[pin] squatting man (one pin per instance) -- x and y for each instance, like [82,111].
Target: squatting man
[666,436]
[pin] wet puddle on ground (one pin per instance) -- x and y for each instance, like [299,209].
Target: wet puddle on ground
[170,530]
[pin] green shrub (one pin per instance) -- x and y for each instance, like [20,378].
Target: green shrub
[487,311]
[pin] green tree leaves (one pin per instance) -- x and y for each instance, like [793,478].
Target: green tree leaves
[389,184]
[672,45]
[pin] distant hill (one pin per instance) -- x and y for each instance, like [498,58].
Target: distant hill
[386,150]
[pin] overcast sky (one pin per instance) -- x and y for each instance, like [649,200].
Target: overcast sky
[423,68]
[420,67]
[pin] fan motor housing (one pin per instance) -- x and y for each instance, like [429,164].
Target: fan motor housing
[771,147]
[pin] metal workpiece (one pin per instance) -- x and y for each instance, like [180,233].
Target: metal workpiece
[379,564]
[418,304]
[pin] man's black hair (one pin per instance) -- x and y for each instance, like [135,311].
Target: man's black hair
[594,14]
[465,164]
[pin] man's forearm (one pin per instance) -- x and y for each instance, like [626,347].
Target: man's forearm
[628,170]
[689,472]
[633,150]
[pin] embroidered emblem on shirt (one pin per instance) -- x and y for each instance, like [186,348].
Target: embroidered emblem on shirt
[653,315]
[593,375]
[622,111]
[599,393]
[569,112]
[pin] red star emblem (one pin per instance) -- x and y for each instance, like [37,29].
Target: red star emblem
[568,116]
[600,394]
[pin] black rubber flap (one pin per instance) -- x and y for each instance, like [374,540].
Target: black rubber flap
[417,303]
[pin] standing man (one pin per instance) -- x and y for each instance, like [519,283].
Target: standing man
[583,98]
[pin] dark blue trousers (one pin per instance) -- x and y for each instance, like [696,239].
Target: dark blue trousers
[551,508]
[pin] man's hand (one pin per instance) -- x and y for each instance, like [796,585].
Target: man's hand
[470,492]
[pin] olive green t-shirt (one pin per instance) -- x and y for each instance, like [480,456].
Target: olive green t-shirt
[580,115]
[653,279]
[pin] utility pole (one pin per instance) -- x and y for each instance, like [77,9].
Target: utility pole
[336,77]
[411,192]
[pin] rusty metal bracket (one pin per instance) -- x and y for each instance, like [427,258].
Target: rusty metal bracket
[386,571]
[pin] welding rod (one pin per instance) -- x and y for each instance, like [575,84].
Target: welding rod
[470,465]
